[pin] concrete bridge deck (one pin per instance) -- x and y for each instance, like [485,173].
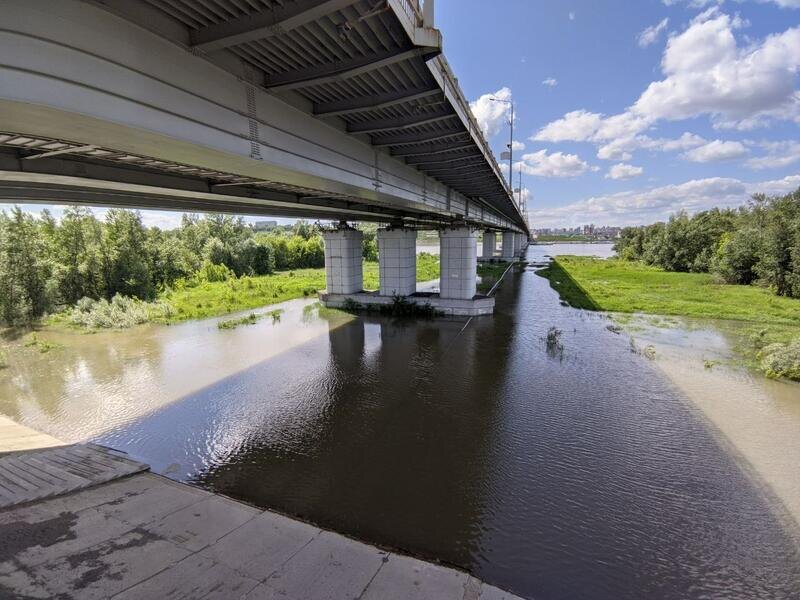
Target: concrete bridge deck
[145,536]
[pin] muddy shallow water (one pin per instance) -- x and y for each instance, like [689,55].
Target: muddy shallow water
[568,471]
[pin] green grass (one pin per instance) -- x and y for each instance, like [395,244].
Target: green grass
[760,317]
[490,273]
[623,286]
[218,298]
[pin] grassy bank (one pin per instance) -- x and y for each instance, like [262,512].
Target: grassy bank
[490,273]
[218,298]
[631,287]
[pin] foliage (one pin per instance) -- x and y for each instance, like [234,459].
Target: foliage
[781,360]
[122,312]
[759,243]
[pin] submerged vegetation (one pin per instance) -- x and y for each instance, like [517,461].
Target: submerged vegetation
[490,274]
[771,324]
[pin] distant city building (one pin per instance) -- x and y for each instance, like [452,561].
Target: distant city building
[264,225]
[591,232]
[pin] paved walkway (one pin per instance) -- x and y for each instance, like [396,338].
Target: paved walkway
[144,536]
[15,437]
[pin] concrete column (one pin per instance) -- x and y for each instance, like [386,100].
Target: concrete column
[397,261]
[458,263]
[508,245]
[343,263]
[489,243]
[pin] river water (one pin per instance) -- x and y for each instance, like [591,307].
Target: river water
[562,472]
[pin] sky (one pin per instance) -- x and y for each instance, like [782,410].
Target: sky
[629,110]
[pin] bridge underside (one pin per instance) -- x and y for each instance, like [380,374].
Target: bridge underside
[334,109]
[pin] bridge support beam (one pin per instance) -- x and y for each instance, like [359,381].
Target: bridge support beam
[489,244]
[397,261]
[343,260]
[458,263]
[508,245]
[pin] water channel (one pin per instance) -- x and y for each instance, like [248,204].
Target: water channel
[578,471]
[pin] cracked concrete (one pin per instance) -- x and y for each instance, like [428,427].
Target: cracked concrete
[145,537]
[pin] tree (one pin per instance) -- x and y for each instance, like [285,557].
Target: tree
[127,269]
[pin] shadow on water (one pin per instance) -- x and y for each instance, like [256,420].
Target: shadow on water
[568,289]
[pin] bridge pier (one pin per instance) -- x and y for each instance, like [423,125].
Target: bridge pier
[458,263]
[397,261]
[508,245]
[489,244]
[343,260]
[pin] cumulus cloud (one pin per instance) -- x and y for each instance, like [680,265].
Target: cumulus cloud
[778,155]
[517,146]
[491,115]
[621,149]
[705,72]
[556,164]
[550,82]
[716,151]
[624,171]
[656,204]
[704,3]
[651,34]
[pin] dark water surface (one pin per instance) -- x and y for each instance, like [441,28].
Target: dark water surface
[556,475]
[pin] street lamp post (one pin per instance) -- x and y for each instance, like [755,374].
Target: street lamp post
[511,138]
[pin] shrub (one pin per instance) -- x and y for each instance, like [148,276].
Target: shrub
[120,313]
[781,360]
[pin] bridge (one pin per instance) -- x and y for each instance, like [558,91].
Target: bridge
[344,110]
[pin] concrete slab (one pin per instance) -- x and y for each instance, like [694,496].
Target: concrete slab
[406,578]
[49,472]
[203,523]
[96,572]
[192,578]
[263,545]
[147,537]
[331,567]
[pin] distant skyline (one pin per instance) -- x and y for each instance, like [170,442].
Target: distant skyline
[626,111]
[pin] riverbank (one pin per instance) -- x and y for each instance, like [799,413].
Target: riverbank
[628,287]
[198,299]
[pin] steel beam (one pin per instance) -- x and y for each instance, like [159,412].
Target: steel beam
[348,106]
[343,69]
[424,162]
[411,139]
[264,24]
[395,123]
[432,149]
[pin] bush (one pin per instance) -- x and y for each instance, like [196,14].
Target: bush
[122,312]
[781,360]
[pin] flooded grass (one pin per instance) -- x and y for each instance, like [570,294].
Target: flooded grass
[765,328]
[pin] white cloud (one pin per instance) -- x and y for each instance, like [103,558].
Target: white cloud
[624,171]
[656,204]
[572,15]
[704,3]
[621,149]
[556,164]
[491,115]
[705,73]
[778,155]
[550,82]
[708,73]
[651,34]
[517,146]
[716,151]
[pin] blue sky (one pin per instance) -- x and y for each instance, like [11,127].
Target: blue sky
[630,110]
